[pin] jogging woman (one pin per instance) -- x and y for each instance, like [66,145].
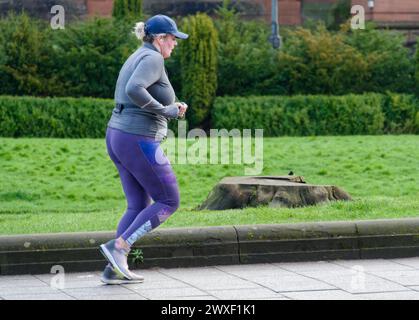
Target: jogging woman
[145,101]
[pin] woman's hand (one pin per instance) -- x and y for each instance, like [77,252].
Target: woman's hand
[182,109]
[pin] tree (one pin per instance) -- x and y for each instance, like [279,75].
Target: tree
[199,67]
[417,71]
[24,55]
[90,55]
[127,9]
[340,13]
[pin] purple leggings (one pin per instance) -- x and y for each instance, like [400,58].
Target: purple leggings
[145,174]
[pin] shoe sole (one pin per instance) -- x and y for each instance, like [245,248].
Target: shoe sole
[110,258]
[120,281]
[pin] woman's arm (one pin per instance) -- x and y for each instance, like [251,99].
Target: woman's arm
[149,71]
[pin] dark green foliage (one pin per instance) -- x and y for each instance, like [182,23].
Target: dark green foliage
[340,13]
[57,117]
[127,9]
[91,54]
[390,67]
[54,117]
[277,115]
[417,71]
[246,60]
[199,67]
[319,115]
[319,62]
[311,61]
[119,9]
[24,57]
[401,113]
[84,60]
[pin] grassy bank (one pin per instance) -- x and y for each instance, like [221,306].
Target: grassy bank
[63,185]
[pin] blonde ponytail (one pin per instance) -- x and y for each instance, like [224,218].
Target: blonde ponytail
[139,30]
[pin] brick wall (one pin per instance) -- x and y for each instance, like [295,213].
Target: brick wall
[250,9]
[289,11]
[392,11]
[74,9]
[99,7]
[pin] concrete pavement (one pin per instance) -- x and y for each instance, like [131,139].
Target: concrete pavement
[335,280]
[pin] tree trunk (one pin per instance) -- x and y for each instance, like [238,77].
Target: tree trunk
[273,191]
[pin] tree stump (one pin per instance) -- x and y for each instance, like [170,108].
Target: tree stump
[273,191]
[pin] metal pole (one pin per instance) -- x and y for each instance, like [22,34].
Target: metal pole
[275,38]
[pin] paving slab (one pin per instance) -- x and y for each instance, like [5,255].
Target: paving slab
[356,282]
[373,265]
[168,293]
[202,298]
[18,277]
[220,283]
[411,262]
[153,276]
[148,284]
[82,276]
[405,278]
[321,295]
[258,270]
[192,272]
[325,280]
[4,284]
[241,294]
[208,278]
[366,285]
[132,296]
[293,283]
[275,298]
[55,296]
[404,295]
[99,290]
[7,291]
[310,266]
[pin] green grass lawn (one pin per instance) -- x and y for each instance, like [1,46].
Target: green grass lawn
[63,185]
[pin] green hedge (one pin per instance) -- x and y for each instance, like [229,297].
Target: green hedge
[319,115]
[401,114]
[277,115]
[56,117]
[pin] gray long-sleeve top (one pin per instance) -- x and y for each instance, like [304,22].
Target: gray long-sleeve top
[146,93]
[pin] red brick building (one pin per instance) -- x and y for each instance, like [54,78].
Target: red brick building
[397,14]
[99,7]
[392,12]
[401,14]
[291,12]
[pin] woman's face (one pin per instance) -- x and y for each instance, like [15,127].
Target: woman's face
[167,44]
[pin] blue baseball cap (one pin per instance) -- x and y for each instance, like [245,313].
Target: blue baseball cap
[163,24]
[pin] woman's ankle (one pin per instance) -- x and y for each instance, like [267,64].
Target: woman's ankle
[120,243]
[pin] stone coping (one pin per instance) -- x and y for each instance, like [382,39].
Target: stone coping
[220,245]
